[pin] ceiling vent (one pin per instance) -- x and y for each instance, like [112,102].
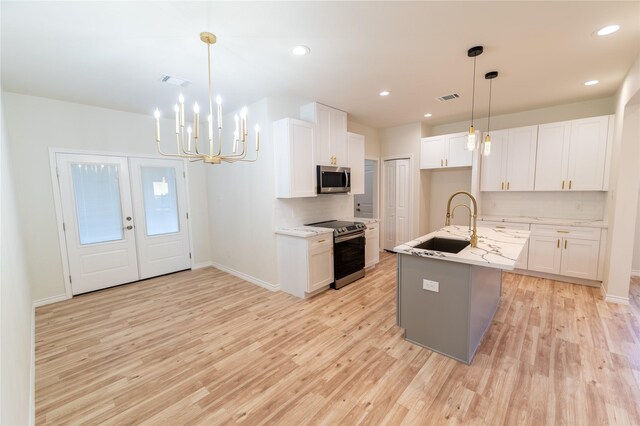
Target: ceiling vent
[175,81]
[450,97]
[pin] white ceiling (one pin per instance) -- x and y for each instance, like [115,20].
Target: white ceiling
[113,54]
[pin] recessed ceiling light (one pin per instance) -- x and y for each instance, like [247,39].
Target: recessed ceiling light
[591,82]
[384,93]
[300,50]
[427,115]
[609,29]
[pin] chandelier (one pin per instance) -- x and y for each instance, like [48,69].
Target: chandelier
[188,148]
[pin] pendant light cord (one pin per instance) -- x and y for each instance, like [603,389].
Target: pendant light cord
[489,117]
[473,93]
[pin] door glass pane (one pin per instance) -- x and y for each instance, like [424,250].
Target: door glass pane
[96,189]
[160,200]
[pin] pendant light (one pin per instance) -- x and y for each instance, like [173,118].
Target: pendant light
[474,52]
[486,148]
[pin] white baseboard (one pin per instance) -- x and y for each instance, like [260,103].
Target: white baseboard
[249,278]
[613,299]
[49,300]
[32,371]
[563,278]
[635,273]
[201,265]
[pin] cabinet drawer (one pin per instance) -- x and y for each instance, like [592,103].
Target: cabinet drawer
[578,232]
[503,225]
[325,240]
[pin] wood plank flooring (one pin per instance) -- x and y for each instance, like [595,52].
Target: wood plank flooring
[204,347]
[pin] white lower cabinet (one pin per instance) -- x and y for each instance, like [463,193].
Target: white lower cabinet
[305,264]
[372,245]
[524,255]
[565,250]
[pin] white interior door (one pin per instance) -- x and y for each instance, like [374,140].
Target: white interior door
[162,237]
[98,221]
[389,204]
[403,174]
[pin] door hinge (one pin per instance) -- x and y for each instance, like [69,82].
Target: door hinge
[64,228]
[189,255]
[57,172]
[184,174]
[70,281]
[187,215]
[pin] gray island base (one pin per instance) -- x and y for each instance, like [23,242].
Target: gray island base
[447,299]
[453,320]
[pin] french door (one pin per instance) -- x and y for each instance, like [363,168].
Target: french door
[124,219]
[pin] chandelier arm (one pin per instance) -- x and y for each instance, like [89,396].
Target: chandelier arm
[170,155]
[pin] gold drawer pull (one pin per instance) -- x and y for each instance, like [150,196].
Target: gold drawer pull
[502,185]
[508,185]
[563,232]
[562,184]
[558,244]
[501,227]
[321,241]
[569,184]
[446,162]
[565,243]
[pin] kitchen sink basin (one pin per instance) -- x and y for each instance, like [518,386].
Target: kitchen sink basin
[447,245]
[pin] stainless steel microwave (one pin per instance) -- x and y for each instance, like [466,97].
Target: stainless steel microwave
[333,180]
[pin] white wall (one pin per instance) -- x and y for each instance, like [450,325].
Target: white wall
[591,108]
[624,182]
[244,212]
[16,312]
[443,183]
[401,142]
[36,124]
[371,138]
[635,264]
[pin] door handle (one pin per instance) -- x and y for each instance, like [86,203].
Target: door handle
[502,186]
[565,244]
[558,245]
[569,183]
[562,184]
[128,217]
[508,184]
[357,210]
[446,162]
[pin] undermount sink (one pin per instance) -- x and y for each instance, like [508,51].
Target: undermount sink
[447,245]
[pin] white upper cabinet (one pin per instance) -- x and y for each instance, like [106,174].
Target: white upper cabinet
[443,151]
[331,141]
[572,155]
[294,158]
[355,156]
[511,164]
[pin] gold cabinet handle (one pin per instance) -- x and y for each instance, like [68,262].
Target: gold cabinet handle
[446,162]
[321,241]
[502,186]
[500,227]
[441,162]
[562,184]
[508,185]
[562,232]
[569,184]
[565,244]
[558,245]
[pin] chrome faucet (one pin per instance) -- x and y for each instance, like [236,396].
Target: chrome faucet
[474,233]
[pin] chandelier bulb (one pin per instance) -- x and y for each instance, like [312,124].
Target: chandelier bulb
[156,113]
[181,98]
[196,108]
[218,100]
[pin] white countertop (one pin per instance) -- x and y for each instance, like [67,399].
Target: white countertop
[497,248]
[304,231]
[546,221]
[365,220]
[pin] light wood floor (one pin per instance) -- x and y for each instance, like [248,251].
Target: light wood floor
[204,347]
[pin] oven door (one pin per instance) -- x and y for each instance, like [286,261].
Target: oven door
[348,258]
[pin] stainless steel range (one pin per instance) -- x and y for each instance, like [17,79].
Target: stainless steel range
[348,250]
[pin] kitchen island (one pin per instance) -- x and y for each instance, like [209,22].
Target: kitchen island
[449,291]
